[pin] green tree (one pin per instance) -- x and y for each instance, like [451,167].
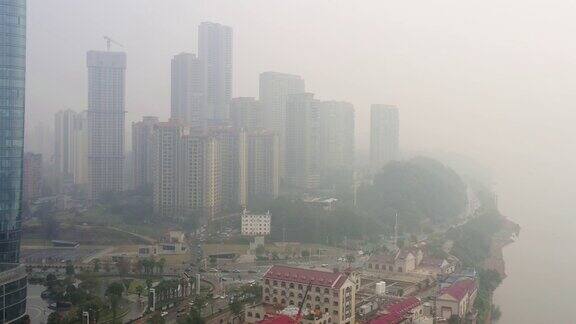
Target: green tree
[69,268]
[96,265]
[114,293]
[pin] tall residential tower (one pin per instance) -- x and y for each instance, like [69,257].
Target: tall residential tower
[106,102]
[384,135]
[215,52]
[188,100]
[302,169]
[274,90]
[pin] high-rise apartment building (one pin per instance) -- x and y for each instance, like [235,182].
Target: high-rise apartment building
[106,108]
[142,151]
[246,112]
[336,147]
[32,183]
[200,166]
[302,141]
[166,179]
[232,162]
[12,100]
[186,172]
[80,145]
[262,165]
[274,90]
[384,135]
[215,52]
[188,87]
[63,148]
[71,146]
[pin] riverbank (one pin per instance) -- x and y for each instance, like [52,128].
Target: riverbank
[507,234]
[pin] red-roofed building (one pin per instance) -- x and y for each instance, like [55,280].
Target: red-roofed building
[333,293]
[405,311]
[457,300]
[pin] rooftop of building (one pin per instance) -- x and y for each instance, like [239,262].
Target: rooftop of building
[397,312]
[307,276]
[459,289]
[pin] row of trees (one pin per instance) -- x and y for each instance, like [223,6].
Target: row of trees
[151,266]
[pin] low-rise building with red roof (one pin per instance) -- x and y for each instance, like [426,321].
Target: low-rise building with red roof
[457,300]
[332,293]
[405,311]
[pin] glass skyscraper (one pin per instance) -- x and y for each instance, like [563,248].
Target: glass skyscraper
[12,75]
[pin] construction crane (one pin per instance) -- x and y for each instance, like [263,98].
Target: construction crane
[110,41]
[298,318]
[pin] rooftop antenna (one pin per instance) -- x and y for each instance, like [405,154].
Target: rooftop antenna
[110,41]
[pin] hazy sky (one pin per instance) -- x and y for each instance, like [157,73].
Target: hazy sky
[484,78]
[491,79]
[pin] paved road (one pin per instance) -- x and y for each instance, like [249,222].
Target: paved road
[36,307]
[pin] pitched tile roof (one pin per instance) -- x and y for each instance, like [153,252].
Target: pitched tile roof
[459,289]
[397,312]
[278,319]
[306,276]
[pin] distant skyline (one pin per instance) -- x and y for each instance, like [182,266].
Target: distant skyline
[452,68]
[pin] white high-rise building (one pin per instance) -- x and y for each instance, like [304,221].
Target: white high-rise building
[336,136]
[274,90]
[302,141]
[188,100]
[71,146]
[106,109]
[215,52]
[142,151]
[384,135]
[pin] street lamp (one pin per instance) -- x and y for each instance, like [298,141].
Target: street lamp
[86,315]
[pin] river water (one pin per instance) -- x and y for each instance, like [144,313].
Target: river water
[541,265]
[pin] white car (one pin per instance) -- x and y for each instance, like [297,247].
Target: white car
[163,313]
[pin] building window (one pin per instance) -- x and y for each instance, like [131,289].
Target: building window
[275,283]
[267,281]
[326,290]
[257,315]
[266,290]
[300,287]
[326,300]
[291,285]
[317,289]
[291,294]
[377,267]
[283,284]
[249,314]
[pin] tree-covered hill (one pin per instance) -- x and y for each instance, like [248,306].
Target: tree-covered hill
[420,190]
